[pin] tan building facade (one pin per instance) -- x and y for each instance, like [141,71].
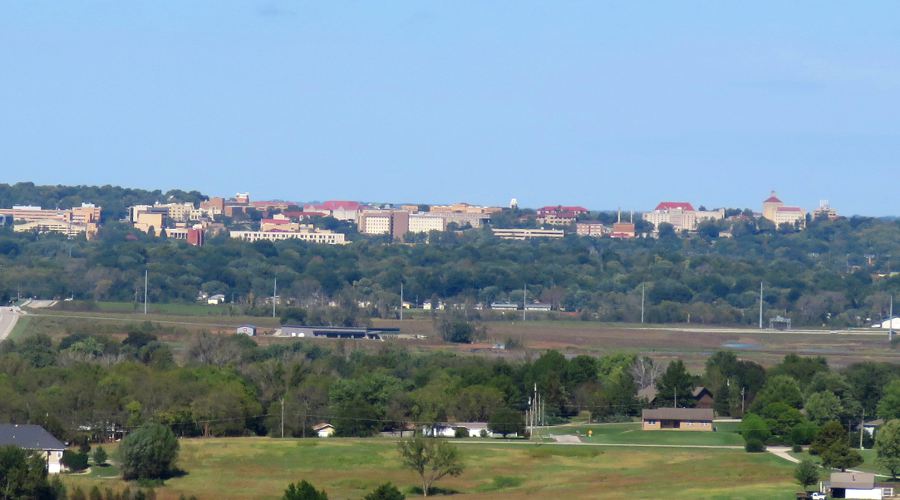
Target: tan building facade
[322,237]
[677,419]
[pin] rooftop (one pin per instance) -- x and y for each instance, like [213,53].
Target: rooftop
[672,205]
[29,437]
[678,414]
[857,480]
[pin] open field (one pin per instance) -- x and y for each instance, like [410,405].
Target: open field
[349,468]
[868,466]
[630,433]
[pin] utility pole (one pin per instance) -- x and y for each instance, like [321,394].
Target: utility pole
[524,301]
[274,295]
[861,421]
[676,397]
[145,290]
[742,401]
[642,303]
[891,320]
[760,304]
[282,417]
[401,301]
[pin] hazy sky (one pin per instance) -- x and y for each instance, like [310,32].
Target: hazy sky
[602,104]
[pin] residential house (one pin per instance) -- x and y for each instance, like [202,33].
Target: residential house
[34,438]
[323,429]
[703,397]
[677,419]
[857,485]
[216,299]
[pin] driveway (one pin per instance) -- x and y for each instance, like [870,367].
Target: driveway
[8,319]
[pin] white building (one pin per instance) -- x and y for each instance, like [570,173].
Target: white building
[248,330]
[859,485]
[34,438]
[320,236]
[324,429]
[426,222]
[527,234]
[681,215]
[889,323]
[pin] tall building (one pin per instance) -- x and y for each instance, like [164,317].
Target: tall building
[776,211]
[681,215]
[392,222]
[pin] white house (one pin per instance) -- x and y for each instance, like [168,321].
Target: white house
[216,299]
[248,330]
[859,485]
[34,438]
[324,429]
[887,324]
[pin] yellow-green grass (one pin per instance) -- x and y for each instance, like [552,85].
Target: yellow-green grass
[631,433]
[231,468]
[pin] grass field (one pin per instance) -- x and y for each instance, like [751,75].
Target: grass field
[868,466]
[630,433]
[232,468]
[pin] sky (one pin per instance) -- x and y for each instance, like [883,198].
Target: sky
[594,103]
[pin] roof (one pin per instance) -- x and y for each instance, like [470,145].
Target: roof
[700,390]
[671,205]
[29,437]
[322,425]
[856,480]
[678,414]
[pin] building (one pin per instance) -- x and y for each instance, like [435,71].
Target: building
[538,306]
[504,306]
[312,235]
[192,235]
[776,211]
[857,485]
[336,332]
[72,222]
[426,222]
[623,231]
[591,228]
[248,330]
[339,209]
[889,323]
[677,419]
[464,208]
[34,438]
[527,234]
[392,222]
[216,299]
[323,429]
[561,211]
[681,215]
[825,211]
[703,397]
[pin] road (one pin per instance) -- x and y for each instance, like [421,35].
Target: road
[8,319]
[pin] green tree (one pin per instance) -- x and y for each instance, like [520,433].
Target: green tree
[840,456]
[889,406]
[303,491]
[779,389]
[754,427]
[386,491]
[149,452]
[887,447]
[823,407]
[74,460]
[24,475]
[829,434]
[505,421]
[99,456]
[431,459]
[675,381]
[806,473]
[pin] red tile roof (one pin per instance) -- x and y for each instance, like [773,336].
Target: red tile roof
[772,199]
[671,205]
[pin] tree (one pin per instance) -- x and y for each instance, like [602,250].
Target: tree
[676,381]
[753,427]
[823,407]
[887,447]
[24,475]
[386,491]
[74,460]
[829,434]
[889,406]
[303,491]
[506,421]
[99,456]
[831,444]
[149,452]
[455,328]
[431,459]
[806,473]
[780,389]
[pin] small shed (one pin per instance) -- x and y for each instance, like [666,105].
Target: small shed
[779,323]
[216,299]
[248,330]
[677,419]
[860,485]
[324,429]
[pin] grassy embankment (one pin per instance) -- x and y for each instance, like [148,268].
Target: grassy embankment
[349,468]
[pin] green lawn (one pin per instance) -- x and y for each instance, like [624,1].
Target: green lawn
[869,465]
[631,433]
[349,468]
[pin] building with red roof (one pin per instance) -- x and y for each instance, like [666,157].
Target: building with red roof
[681,215]
[776,211]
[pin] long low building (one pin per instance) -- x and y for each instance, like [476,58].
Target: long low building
[527,234]
[677,419]
[320,236]
[336,332]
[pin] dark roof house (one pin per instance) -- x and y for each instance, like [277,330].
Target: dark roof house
[29,437]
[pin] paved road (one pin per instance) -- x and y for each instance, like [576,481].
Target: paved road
[8,319]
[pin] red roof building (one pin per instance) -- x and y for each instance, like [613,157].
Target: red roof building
[674,205]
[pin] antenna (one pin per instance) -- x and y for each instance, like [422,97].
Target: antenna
[524,301]
[274,294]
[891,320]
[145,291]
[401,301]
[619,211]
[760,304]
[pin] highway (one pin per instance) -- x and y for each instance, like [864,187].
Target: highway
[8,319]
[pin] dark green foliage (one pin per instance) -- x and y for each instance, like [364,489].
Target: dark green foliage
[148,453]
[754,445]
[806,473]
[75,461]
[506,421]
[303,491]
[754,428]
[676,381]
[386,491]
[99,456]
[24,475]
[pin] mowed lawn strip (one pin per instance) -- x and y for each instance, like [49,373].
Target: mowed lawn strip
[631,433]
[232,468]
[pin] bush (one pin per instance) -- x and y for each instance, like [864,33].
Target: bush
[461,432]
[99,456]
[754,445]
[75,461]
[797,448]
[303,491]
[386,491]
[149,452]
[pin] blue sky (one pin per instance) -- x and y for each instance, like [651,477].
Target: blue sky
[602,104]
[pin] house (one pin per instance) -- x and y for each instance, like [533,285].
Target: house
[449,430]
[889,323]
[677,419]
[857,485]
[216,299]
[336,332]
[34,438]
[248,330]
[871,426]
[324,429]
[504,306]
[537,306]
[439,430]
[703,397]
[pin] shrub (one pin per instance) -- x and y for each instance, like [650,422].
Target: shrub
[754,445]
[149,452]
[386,491]
[461,432]
[303,491]
[99,456]
[797,448]
[75,461]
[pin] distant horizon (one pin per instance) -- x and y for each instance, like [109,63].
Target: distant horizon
[624,210]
